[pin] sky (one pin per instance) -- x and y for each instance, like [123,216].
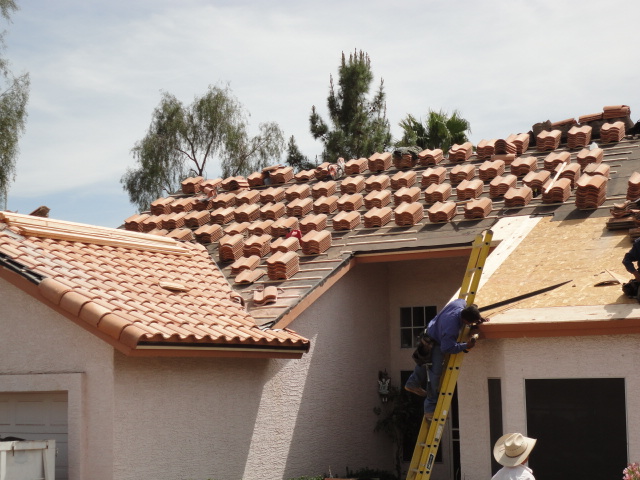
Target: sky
[98,68]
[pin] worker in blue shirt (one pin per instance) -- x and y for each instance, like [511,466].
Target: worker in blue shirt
[441,337]
[631,256]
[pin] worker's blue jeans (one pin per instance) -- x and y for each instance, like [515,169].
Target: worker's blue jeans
[419,378]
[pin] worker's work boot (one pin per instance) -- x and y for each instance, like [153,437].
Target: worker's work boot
[421,392]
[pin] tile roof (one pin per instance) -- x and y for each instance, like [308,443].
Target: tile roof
[144,294]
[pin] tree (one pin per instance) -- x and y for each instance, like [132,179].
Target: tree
[360,126]
[295,158]
[181,140]
[14,95]
[438,131]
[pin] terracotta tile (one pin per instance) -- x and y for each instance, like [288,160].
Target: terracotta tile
[379,162]
[460,153]
[224,200]
[554,159]
[245,263]
[633,186]
[408,195]
[317,222]
[315,243]
[246,213]
[435,175]
[442,212]
[324,189]
[579,136]
[282,175]
[377,199]
[197,219]
[468,189]
[346,220]
[305,175]
[281,227]
[352,185]
[486,148]
[408,214]
[261,227]
[192,185]
[272,195]
[591,191]
[518,197]
[403,160]
[491,169]
[325,205]
[437,193]
[272,211]
[234,183]
[208,233]
[255,179]
[377,183]
[299,207]
[249,197]
[616,111]
[348,203]
[281,266]
[430,157]
[377,217]
[222,216]
[559,191]
[587,156]
[462,172]
[478,208]
[257,245]
[523,165]
[290,244]
[403,179]
[237,228]
[356,166]
[161,206]
[297,192]
[548,140]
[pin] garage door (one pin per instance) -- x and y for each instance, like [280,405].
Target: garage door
[37,416]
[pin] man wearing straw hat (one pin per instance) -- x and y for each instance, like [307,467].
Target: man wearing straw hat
[512,452]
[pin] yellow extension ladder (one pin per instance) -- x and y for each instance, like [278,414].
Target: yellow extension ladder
[430,434]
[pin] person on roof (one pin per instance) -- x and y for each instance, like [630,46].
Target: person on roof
[512,452]
[440,338]
[631,256]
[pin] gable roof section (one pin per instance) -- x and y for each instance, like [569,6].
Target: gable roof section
[144,294]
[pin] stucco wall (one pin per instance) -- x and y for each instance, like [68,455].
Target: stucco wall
[514,360]
[44,351]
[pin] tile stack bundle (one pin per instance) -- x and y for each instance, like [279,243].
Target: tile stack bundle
[234,183]
[523,165]
[478,208]
[486,148]
[559,192]
[258,245]
[377,217]
[379,162]
[246,213]
[192,185]
[250,276]
[404,160]
[615,111]
[325,204]
[591,117]
[408,214]
[377,199]
[430,157]
[507,158]
[462,172]
[224,200]
[491,169]
[546,140]
[505,147]
[442,212]
[348,203]
[518,197]
[230,248]
[587,156]
[377,182]
[570,171]
[315,243]
[244,263]
[272,211]
[297,191]
[352,185]
[197,219]
[299,207]
[633,187]
[203,202]
[408,195]
[433,175]
[403,179]
[612,132]
[346,221]
[469,189]
[151,223]
[356,166]
[208,233]
[281,266]
[521,142]
[173,221]
[181,234]
[255,179]
[281,227]
[260,228]
[272,195]
[537,181]
[248,196]
[460,153]
[322,170]
[314,222]
[324,189]
[263,296]
[437,192]
[579,136]
[134,222]
[554,159]
[597,169]
[281,244]
[305,175]
[591,192]
[161,206]
[282,175]
[237,228]
[183,205]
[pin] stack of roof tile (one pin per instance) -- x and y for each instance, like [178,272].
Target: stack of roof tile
[505,147]
[246,213]
[281,266]
[322,170]
[181,234]
[352,184]
[356,166]
[587,156]
[208,233]
[260,227]
[433,175]
[554,159]
[325,204]
[313,223]
[250,276]
[460,153]
[290,244]
[282,175]
[299,207]
[212,183]
[486,148]
[591,192]
[404,160]
[633,187]
[377,199]
[161,206]
[237,228]
[256,179]
[297,191]
[158,231]
[523,165]
[408,214]
[546,140]
[348,203]
[151,223]
[248,196]
[597,169]
[518,197]
[537,181]
[591,117]
[612,132]
[172,221]
[559,192]
[378,162]
[491,169]
[230,248]
[272,211]
[507,158]
[346,220]
[616,111]
[324,189]
[305,175]
[134,222]
[579,136]
[272,195]
[403,179]
[192,185]
[437,192]
[478,208]
[281,227]
[197,219]
[244,263]
[469,189]
[257,245]
[521,142]
[570,171]
[203,203]
[377,217]
[408,195]
[315,243]
[234,183]
[430,157]
[183,205]
[442,212]
[224,200]
[377,182]
[462,172]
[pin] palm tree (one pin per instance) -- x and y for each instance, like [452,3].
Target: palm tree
[439,130]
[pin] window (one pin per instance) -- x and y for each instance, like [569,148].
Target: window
[413,320]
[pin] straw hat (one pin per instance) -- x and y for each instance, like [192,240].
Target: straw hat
[512,449]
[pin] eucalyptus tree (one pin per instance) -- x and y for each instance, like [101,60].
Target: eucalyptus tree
[438,130]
